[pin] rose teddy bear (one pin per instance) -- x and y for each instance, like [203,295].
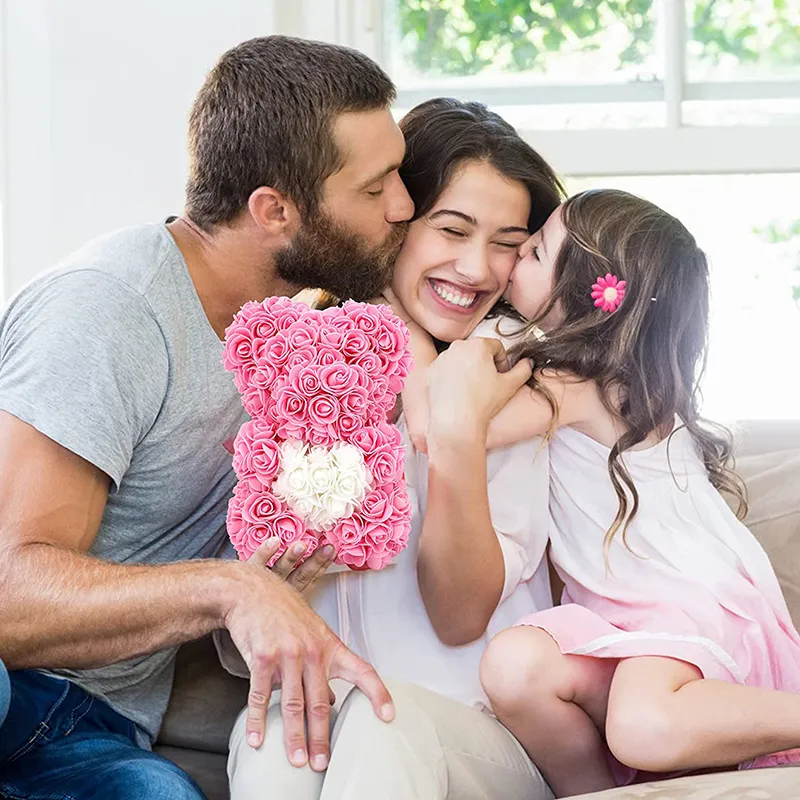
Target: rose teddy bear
[318,461]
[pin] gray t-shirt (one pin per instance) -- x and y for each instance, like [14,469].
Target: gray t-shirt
[112,356]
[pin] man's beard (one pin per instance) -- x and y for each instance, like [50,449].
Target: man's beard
[324,255]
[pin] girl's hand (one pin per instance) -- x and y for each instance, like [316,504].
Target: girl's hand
[468,384]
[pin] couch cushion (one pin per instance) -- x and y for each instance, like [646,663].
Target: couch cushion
[208,769]
[778,783]
[205,701]
[768,459]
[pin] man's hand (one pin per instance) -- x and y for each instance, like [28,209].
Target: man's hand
[284,642]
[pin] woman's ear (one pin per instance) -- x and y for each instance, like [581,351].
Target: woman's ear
[275,214]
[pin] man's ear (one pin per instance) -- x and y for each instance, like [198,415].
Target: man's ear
[275,214]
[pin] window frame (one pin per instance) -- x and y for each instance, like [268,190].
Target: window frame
[674,148]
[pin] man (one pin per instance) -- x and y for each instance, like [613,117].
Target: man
[113,409]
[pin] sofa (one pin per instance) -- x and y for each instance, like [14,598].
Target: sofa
[206,700]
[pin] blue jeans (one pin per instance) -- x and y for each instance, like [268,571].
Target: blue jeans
[57,742]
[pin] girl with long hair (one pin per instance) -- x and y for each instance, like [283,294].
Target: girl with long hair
[672,650]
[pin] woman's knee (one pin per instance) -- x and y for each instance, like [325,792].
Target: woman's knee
[519,663]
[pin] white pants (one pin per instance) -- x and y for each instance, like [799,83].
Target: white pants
[435,748]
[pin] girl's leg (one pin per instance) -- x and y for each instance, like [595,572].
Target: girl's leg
[663,716]
[554,704]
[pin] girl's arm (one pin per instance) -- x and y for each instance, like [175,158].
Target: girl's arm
[528,414]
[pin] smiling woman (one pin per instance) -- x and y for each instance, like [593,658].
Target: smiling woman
[478,189]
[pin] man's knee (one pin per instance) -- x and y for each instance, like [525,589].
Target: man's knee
[5,692]
[152,777]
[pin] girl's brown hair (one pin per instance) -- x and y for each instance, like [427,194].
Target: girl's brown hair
[648,357]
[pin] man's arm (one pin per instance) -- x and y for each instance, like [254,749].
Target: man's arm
[63,608]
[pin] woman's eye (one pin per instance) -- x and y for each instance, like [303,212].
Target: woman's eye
[508,245]
[376,192]
[454,232]
[535,252]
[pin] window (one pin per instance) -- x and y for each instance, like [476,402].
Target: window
[694,104]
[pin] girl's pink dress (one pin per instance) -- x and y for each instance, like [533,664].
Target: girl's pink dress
[695,584]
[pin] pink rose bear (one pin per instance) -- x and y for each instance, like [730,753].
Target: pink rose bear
[318,462]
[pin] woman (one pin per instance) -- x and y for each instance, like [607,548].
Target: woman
[478,190]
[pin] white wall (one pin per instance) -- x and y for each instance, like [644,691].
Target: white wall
[94,100]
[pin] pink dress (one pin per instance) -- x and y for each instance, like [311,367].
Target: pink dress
[693,583]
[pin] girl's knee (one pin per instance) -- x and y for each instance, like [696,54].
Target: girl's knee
[518,663]
[645,735]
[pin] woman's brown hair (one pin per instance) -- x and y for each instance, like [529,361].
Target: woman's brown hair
[443,134]
[648,357]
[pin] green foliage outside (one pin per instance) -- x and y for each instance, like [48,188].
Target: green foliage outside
[466,37]
[787,237]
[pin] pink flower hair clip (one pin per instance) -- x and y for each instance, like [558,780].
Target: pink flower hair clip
[608,293]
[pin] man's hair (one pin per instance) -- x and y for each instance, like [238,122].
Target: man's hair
[264,117]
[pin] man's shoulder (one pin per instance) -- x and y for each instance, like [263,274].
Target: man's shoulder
[131,257]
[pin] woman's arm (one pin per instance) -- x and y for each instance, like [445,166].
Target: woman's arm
[461,567]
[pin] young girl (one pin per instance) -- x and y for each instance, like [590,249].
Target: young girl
[673,649]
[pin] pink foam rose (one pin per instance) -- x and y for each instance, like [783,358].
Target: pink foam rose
[302,357]
[265,455]
[291,406]
[302,333]
[277,350]
[288,317]
[249,538]
[330,335]
[256,401]
[326,356]
[289,527]
[263,376]
[243,378]
[348,425]
[238,350]
[261,507]
[292,430]
[323,410]
[377,505]
[401,503]
[306,380]
[355,402]
[365,316]
[323,435]
[354,344]
[369,439]
[369,363]
[392,339]
[338,378]
[384,465]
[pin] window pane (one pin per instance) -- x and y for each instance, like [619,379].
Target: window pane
[557,41]
[743,39]
[749,226]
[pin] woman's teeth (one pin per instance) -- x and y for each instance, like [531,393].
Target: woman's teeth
[465,300]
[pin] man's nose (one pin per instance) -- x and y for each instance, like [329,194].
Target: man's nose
[399,205]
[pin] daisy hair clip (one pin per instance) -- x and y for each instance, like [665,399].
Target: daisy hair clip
[608,293]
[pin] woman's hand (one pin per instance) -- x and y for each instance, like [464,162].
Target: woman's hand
[468,384]
[303,577]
